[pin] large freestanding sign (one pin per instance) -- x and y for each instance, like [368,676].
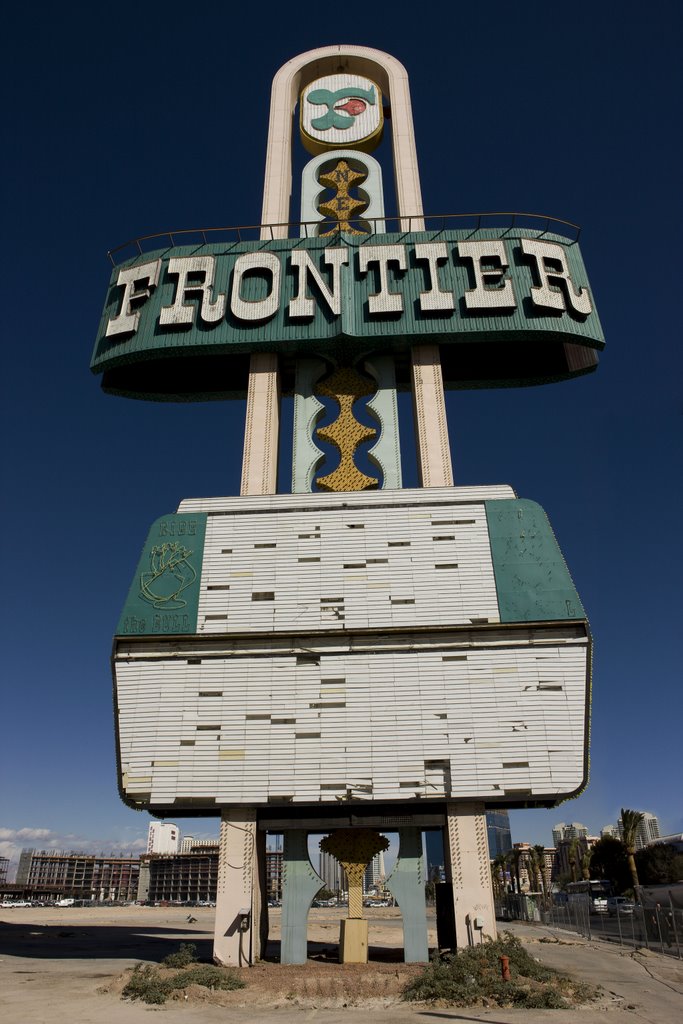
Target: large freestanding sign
[351,651]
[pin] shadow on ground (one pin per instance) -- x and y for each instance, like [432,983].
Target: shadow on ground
[101,942]
[119,942]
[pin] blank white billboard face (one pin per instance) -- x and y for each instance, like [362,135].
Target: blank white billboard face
[366,646]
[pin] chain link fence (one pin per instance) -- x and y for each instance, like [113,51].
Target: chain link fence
[655,927]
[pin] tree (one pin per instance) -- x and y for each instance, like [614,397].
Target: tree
[630,823]
[586,857]
[539,851]
[574,856]
[659,864]
[513,858]
[609,861]
[498,874]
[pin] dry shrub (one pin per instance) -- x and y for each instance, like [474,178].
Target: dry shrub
[147,984]
[474,976]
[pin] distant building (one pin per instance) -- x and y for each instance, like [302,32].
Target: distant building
[499,840]
[374,873]
[274,874]
[189,843]
[81,876]
[330,870]
[434,853]
[24,869]
[609,831]
[163,837]
[675,840]
[498,832]
[181,877]
[565,833]
[570,856]
[4,870]
[648,830]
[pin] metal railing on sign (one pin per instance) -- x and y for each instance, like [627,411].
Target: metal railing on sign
[506,222]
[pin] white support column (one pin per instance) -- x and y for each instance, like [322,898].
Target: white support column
[238,889]
[431,428]
[469,870]
[259,464]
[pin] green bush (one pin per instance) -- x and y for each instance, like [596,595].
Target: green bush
[209,977]
[146,984]
[149,986]
[474,975]
[187,954]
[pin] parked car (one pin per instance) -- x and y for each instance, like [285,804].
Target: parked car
[619,905]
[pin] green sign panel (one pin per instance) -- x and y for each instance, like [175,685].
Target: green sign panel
[532,579]
[164,595]
[169,311]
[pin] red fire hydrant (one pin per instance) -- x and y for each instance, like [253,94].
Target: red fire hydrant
[505,967]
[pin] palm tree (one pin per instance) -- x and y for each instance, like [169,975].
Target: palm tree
[498,874]
[513,858]
[630,823]
[539,851]
[586,863]
[574,858]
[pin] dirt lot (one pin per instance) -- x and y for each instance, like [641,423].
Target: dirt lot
[51,955]
[67,966]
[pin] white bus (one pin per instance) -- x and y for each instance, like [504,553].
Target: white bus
[594,892]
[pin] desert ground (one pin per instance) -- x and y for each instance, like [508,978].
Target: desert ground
[68,966]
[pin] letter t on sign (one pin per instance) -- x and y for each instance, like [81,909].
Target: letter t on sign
[383,301]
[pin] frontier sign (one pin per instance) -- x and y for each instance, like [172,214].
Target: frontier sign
[299,295]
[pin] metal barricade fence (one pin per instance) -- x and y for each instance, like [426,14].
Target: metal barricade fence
[657,927]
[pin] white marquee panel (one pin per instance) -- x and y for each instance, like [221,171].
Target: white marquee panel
[388,725]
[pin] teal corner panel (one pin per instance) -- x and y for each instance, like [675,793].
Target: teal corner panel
[407,884]
[164,594]
[300,883]
[532,580]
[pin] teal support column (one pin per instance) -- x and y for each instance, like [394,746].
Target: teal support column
[300,883]
[386,453]
[306,456]
[407,884]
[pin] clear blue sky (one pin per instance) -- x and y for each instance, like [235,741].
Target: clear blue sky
[120,123]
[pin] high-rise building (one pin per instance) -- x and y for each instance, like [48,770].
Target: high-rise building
[499,841]
[565,833]
[4,869]
[648,830]
[498,832]
[163,837]
[375,873]
[331,872]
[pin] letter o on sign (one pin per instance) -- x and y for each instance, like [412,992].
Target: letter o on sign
[255,309]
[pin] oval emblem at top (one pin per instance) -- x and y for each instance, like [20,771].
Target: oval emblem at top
[341,111]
